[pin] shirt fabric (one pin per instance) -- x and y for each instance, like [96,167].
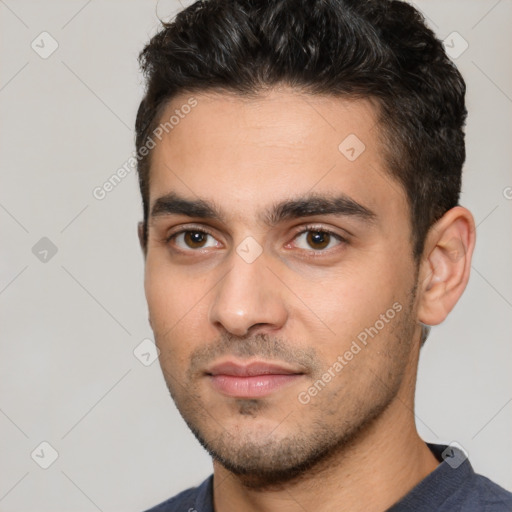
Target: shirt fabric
[452,487]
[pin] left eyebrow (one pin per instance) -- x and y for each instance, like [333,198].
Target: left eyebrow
[305,206]
[340,205]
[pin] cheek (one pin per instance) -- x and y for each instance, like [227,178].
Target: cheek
[168,294]
[353,299]
[176,303]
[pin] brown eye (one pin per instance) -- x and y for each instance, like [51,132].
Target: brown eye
[318,239]
[194,239]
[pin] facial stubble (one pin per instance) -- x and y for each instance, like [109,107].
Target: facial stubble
[318,433]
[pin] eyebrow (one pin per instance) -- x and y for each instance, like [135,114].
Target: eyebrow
[304,206]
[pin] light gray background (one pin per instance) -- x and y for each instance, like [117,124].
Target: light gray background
[69,325]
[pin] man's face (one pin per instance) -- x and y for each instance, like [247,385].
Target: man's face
[285,322]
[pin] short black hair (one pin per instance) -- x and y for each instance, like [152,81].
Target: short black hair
[380,50]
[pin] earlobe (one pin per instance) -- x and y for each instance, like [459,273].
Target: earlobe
[446,265]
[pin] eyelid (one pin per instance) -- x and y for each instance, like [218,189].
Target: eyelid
[184,228]
[323,229]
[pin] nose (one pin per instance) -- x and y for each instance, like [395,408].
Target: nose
[249,297]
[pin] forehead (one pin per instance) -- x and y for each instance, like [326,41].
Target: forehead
[242,152]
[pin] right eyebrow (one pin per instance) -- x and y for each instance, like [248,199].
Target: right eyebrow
[172,204]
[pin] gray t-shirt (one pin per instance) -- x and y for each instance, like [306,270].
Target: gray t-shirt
[452,487]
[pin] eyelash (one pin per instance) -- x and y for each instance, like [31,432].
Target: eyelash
[304,229]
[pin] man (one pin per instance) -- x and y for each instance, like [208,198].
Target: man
[300,168]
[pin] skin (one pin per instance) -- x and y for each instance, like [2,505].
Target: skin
[299,302]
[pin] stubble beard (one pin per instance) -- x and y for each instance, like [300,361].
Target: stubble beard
[271,461]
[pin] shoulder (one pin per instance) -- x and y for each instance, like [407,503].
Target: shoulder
[190,500]
[461,488]
[454,486]
[483,494]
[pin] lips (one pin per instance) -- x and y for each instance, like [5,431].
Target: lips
[250,370]
[253,380]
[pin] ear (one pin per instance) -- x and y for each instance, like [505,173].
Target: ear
[445,265]
[142,241]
